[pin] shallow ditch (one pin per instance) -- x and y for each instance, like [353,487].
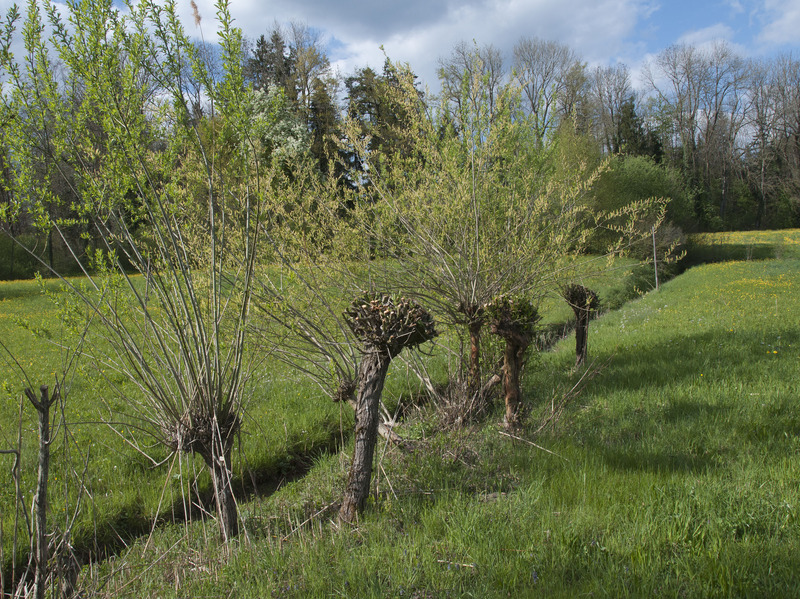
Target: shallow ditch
[114,535]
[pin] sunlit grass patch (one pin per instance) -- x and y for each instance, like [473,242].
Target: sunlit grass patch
[743,245]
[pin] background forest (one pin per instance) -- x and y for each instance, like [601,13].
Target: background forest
[716,133]
[723,129]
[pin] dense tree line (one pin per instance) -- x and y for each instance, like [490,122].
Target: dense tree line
[724,130]
[726,125]
[723,127]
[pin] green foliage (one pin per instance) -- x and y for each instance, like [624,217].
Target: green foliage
[633,138]
[470,205]
[175,196]
[475,208]
[633,178]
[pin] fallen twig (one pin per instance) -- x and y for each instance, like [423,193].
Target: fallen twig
[449,563]
[307,520]
[532,443]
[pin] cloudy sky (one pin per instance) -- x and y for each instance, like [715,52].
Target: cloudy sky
[602,31]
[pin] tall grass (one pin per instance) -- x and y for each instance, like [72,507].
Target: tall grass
[743,245]
[125,491]
[675,474]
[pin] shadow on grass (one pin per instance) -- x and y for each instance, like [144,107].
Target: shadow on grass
[685,416]
[698,359]
[106,538]
[763,568]
[12,290]
[636,459]
[725,252]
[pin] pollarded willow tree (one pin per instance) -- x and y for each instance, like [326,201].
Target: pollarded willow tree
[172,193]
[475,208]
[314,314]
[514,320]
[584,303]
[384,326]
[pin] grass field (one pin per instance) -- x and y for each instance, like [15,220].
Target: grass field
[676,472]
[288,421]
[743,245]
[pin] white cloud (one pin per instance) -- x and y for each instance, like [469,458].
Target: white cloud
[422,31]
[595,29]
[783,23]
[735,6]
[706,35]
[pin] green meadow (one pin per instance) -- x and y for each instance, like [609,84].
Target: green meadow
[105,473]
[673,472]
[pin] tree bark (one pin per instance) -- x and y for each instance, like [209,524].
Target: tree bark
[226,504]
[371,376]
[511,370]
[385,429]
[516,345]
[581,336]
[219,466]
[583,302]
[474,374]
[40,501]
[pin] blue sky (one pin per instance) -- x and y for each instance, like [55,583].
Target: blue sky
[603,32]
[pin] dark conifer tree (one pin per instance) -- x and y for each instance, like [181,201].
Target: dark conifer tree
[271,64]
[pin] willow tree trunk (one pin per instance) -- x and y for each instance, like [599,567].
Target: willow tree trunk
[219,466]
[516,345]
[474,374]
[511,370]
[581,336]
[371,376]
[583,302]
[40,500]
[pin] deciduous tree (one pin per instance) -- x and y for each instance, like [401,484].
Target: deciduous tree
[478,211]
[543,68]
[176,200]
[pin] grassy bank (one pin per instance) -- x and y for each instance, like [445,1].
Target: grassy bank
[123,481]
[674,474]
